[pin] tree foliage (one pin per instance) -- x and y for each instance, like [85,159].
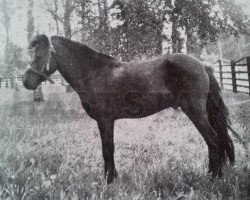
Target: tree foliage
[12,53]
[88,21]
[137,28]
[13,59]
[140,32]
[193,23]
[204,21]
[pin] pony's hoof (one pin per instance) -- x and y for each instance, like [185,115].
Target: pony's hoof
[111,177]
[216,175]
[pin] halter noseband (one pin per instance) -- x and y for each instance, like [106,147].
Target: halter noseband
[41,73]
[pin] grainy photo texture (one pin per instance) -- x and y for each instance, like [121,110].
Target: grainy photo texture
[124,99]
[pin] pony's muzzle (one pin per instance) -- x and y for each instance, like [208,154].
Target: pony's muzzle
[31,80]
[28,86]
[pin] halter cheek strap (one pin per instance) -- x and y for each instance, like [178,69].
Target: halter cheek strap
[46,65]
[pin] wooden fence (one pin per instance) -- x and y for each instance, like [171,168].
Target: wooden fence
[233,75]
[6,82]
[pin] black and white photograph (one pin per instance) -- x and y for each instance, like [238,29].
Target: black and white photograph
[124,99]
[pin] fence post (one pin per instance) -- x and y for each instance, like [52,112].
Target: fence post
[220,71]
[233,75]
[248,72]
[12,82]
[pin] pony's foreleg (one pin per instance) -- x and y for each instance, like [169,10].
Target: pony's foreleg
[106,127]
[197,114]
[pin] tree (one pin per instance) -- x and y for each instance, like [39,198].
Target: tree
[88,21]
[14,56]
[160,9]
[65,18]
[139,24]
[53,10]
[7,11]
[246,48]
[203,21]
[102,40]
[12,62]
[68,9]
[30,22]
[38,94]
[233,48]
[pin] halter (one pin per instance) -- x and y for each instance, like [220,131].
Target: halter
[45,66]
[43,75]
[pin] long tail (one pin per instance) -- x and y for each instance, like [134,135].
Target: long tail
[218,118]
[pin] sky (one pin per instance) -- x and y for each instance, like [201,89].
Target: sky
[42,19]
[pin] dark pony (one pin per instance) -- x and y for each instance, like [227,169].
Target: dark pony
[110,89]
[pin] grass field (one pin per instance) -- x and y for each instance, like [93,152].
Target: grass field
[52,150]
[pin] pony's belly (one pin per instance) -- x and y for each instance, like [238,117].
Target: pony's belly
[138,112]
[132,104]
[143,106]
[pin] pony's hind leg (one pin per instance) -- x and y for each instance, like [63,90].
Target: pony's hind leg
[197,114]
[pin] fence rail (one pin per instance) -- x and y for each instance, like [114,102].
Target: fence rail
[234,76]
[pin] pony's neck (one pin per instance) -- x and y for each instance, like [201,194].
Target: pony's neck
[77,63]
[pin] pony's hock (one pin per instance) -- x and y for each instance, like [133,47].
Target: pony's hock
[175,80]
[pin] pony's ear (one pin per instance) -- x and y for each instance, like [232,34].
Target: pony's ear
[31,46]
[38,39]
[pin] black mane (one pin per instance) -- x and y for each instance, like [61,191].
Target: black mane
[77,46]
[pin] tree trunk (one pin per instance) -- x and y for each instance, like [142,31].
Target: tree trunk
[175,34]
[159,40]
[53,10]
[83,20]
[6,21]
[5,8]
[189,41]
[30,18]
[103,30]
[87,26]
[38,94]
[56,16]
[66,19]
[67,27]
[194,45]
[177,41]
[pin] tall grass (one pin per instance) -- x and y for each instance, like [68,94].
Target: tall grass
[52,150]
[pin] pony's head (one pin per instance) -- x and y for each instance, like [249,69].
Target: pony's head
[43,64]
